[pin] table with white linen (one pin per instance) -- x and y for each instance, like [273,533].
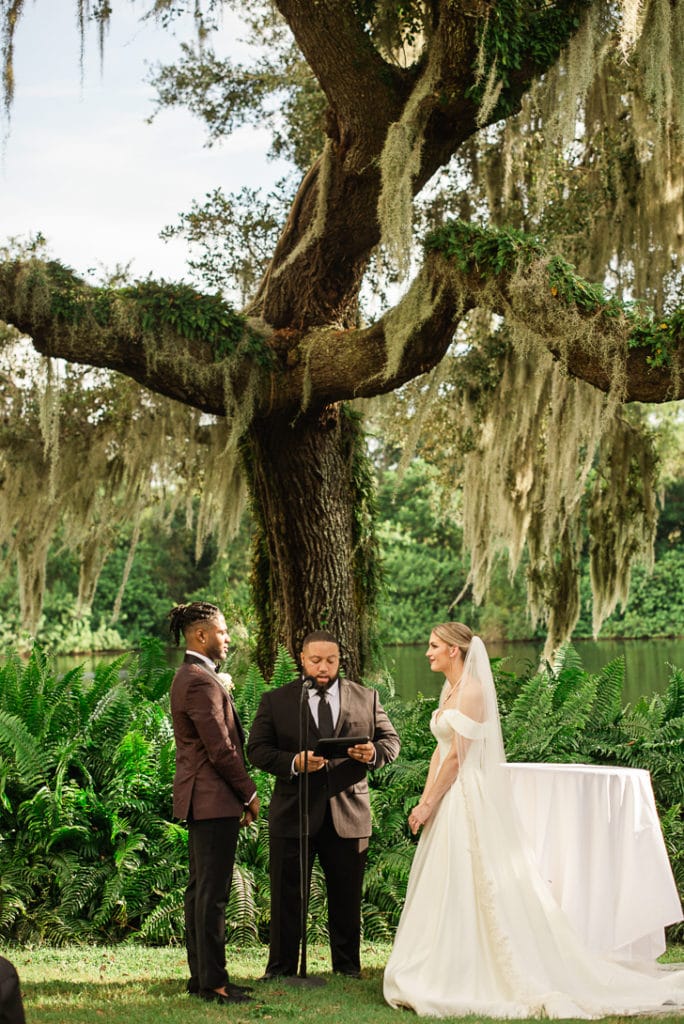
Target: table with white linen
[596,837]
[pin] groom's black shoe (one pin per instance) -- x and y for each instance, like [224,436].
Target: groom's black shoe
[210,996]
[231,989]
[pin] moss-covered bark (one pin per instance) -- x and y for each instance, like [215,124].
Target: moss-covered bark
[315,565]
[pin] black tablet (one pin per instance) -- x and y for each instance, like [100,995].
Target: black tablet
[337,746]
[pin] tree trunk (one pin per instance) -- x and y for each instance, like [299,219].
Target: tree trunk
[308,485]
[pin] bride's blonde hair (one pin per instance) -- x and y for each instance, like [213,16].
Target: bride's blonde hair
[456,634]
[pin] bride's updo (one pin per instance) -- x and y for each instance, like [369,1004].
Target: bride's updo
[456,634]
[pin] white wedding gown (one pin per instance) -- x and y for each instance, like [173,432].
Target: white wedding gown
[480,932]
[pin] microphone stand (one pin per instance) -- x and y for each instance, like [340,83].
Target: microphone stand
[303,808]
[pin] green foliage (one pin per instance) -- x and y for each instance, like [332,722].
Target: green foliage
[279,91]
[425,567]
[420,580]
[233,236]
[393,792]
[165,571]
[491,251]
[494,251]
[190,314]
[423,570]
[284,668]
[194,316]
[420,545]
[70,630]
[655,606]
[661,334]
[515,34]
[85,774]
[484,250]
[552,709]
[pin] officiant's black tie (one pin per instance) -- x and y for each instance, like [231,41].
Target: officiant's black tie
[325,719]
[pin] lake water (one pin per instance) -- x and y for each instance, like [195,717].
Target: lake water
[646,663]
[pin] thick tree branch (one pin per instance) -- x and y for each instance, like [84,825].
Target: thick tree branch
[608,344]
[364,91]
[334,223]
[35,306]
[409,340]
[309,367]
[602,343]
[455,98]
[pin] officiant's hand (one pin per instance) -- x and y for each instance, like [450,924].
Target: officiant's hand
[313,763]
[418,816]
[364,752]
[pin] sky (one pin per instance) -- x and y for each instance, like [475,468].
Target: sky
[82,166]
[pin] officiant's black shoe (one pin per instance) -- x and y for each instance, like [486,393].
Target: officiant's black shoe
[218,997]
[347,972]
[274,975]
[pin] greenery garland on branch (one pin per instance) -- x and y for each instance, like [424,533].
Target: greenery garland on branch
[491,252]
[149,305]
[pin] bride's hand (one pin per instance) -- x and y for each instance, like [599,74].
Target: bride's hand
[418,816]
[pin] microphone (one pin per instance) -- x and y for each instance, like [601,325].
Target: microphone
[308,682]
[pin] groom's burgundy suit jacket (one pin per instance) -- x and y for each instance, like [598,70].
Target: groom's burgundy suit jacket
[211,779]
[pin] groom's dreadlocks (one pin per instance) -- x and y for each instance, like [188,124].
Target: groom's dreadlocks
[183,616]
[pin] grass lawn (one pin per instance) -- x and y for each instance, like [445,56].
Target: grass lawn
[142,985]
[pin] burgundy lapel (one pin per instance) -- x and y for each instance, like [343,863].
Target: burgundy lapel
[191,660]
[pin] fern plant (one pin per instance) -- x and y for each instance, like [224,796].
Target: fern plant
[85,772]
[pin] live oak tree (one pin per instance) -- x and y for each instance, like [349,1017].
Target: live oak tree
[562,119]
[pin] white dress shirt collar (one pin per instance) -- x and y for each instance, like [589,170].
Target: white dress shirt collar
[209,663]
[333,697]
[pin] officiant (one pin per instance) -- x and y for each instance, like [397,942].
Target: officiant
[339,807]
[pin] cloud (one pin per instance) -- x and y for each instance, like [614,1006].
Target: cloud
[82,165]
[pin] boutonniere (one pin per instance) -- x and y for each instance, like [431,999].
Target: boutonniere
[226,681]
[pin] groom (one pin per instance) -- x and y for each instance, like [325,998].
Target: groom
[212,790]
[339,807]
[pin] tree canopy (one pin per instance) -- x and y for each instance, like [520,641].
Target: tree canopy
[514,170]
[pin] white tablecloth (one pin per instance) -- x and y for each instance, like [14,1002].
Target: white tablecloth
[597,839]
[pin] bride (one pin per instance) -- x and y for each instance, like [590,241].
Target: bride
[480,932]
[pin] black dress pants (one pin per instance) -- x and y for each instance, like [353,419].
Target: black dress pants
[211,848]
[343,862]
[11,1006]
